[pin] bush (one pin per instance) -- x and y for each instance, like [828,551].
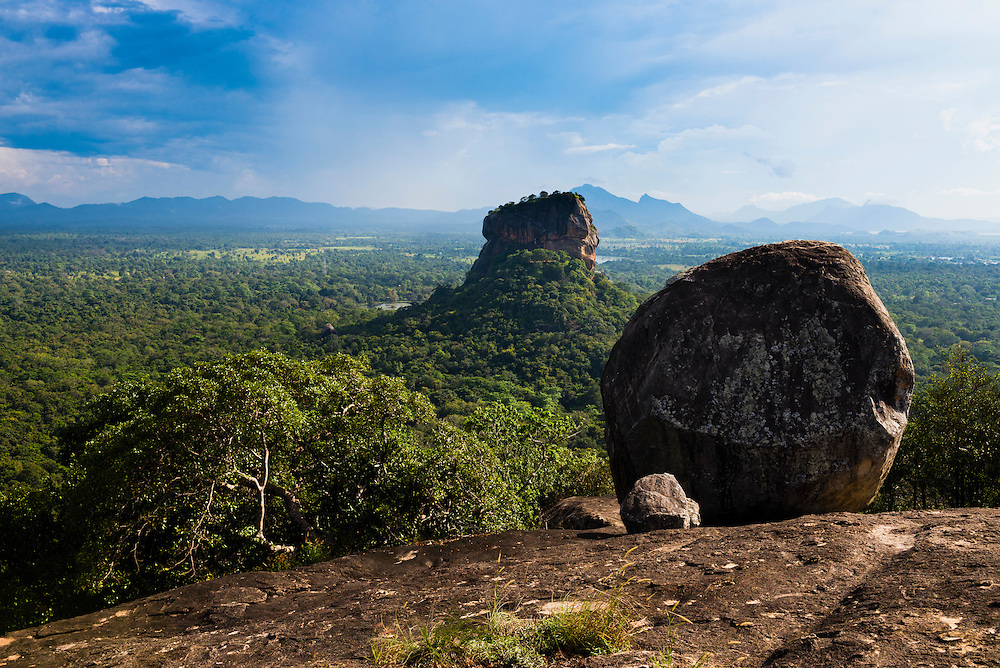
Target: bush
[950,452]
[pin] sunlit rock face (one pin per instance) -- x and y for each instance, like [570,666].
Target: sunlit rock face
[770,382]
[557,222]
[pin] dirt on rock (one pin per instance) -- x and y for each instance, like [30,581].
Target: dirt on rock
[844,589]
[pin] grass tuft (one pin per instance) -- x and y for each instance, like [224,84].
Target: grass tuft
[586,628]
[581,626]
[577,628]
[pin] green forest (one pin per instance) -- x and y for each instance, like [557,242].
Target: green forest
[178,407]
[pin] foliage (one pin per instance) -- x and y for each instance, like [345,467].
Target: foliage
[231,465]
[79,313]
[542,195]
[34,579]
[937,305]
[537,330]
[950,453]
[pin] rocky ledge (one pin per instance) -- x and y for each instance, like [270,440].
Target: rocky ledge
[844,589]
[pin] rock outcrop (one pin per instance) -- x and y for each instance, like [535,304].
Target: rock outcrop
[557,222]
[658,501]
[771,382]
[825,591]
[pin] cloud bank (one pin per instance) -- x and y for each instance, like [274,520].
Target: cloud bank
[455,105]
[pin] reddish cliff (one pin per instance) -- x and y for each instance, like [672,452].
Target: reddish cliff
[557,222]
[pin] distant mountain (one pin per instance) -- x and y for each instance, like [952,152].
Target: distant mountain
[835,216]
[178,213]
[749,212]
[614,216]
[13,201]
[820,211]
[649,214]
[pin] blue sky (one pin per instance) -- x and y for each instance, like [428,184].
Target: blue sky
[451,105]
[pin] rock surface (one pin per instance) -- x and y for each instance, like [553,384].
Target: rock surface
[893,589]
[771,382]
[658,501]
[584,512]
[558,222]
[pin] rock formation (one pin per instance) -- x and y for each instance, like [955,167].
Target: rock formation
[557,222]
[771,382]
[822,591]
[657,501]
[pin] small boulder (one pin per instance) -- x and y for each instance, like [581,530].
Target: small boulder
[771,382]
[583,512]
[658,501]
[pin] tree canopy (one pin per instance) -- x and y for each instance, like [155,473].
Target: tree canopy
[257,460]
[538,329]
[950,453]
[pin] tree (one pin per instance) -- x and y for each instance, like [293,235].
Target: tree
[950,453]
[223,466]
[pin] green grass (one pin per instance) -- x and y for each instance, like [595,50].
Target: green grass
[587,627]
[579,625]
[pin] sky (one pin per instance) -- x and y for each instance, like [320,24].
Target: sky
[440,104]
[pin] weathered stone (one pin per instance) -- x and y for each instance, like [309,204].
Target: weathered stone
[771,382]
[583,512]
[658,501]
[821,591]
[557,222]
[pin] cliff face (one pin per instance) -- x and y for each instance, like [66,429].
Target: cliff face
[558,222]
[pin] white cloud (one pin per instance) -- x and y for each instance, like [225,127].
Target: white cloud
[597,148]
[699,136]
[782,199]
[948,117]
[65,179]
[970,192]
[578,146]
[721,90]
[984,133]
[198,11]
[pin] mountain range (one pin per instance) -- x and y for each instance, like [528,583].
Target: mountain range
[614,216]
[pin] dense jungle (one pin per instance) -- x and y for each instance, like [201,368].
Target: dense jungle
[177,407]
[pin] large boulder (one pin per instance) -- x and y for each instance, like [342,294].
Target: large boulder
[559,222]
[771,382]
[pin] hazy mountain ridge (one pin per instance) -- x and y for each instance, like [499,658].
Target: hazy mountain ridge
[613,216]
[19,212]
[835,214]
